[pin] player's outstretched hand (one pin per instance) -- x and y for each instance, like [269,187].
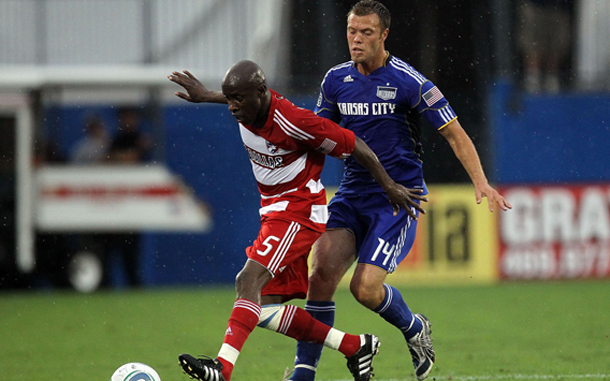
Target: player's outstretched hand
[196,92]
[493,197]
[401,197]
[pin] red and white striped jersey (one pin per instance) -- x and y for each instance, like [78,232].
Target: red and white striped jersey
[287,156]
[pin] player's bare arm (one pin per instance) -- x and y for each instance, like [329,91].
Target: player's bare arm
[465,151]
[399,196]
[196,92]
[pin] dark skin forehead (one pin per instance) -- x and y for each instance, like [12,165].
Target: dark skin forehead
[243,77]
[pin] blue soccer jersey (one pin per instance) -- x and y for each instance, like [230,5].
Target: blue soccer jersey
[384,109]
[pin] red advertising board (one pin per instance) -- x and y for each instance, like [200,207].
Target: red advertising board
[555,232]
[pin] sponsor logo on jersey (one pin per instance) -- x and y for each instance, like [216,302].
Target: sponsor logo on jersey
[386,93]
[319,100]
[432,96]
[348,78]
[271,162]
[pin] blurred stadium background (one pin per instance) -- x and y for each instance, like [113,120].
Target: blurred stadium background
[189,207]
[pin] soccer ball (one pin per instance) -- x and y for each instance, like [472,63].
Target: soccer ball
[135,371]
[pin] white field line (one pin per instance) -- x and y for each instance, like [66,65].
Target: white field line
[533,377]
[511,377]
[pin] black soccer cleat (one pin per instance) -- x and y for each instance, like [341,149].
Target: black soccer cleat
[203,369]
[421,349]
[361,363]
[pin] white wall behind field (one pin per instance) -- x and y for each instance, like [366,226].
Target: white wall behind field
[206,36]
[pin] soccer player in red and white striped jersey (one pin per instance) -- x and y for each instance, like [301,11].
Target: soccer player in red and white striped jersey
[287,147]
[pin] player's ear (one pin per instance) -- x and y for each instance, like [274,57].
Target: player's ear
[262,90]
[384,34]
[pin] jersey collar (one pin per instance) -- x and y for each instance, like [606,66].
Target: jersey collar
[387,59]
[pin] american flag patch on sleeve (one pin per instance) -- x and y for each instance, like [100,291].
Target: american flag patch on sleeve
[432,96]
[327,146]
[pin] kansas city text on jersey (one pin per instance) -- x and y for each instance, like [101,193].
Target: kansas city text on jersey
[366,108]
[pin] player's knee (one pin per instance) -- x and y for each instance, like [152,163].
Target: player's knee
[248,281]
[321,288]
[241,280]
[322,281]
[361,294]
[365,294]
[318,276]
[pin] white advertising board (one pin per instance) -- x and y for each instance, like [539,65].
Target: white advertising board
[114,199]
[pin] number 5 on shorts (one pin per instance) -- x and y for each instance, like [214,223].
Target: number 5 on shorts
[268,245]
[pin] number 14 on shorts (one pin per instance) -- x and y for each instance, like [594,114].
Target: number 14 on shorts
[385,249]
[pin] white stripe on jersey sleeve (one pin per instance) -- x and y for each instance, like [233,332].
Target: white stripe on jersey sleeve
[446,114]
[338,67]
[402,66]
[289,128]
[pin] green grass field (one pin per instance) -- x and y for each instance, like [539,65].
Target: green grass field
[522,331]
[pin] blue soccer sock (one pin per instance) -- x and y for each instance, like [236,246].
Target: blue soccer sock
[396,312]
[308,354]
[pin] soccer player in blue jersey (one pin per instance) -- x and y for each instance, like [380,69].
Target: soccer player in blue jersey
[381,98]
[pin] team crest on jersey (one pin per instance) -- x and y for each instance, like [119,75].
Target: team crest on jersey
[348,78]
[272,148]
[386,93]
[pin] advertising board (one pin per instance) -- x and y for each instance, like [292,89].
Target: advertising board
[116,199]
[555,232]
[456,240]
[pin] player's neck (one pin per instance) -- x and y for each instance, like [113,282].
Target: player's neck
[366,68]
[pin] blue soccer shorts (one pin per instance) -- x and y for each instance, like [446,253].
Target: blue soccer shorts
[382,239]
